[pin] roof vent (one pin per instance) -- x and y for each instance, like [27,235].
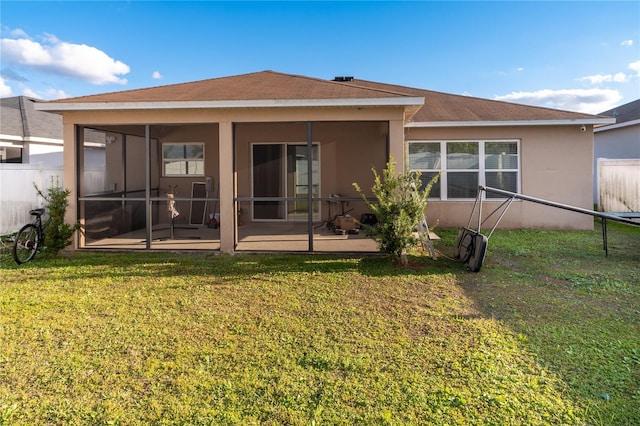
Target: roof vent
[343,78]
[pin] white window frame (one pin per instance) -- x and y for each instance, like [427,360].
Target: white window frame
[166,161]
[481,170]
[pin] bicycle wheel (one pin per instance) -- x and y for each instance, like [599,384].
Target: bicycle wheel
[25,244]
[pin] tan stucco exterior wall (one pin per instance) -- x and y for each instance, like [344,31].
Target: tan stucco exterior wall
[555,165]
[348,151]
[195,133]
[556,161]
[353,140]
[70,157]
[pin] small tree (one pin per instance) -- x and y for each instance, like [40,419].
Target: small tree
[57,233]
[400,205]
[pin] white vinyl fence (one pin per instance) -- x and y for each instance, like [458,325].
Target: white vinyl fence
[619,185]
[18,195]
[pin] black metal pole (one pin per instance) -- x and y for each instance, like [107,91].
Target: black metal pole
[147,186]
[604,237]
[310,184]
[561,206]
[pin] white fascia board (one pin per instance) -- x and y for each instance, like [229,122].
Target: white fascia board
[267,103]
[616,126]
[34,139]
[93,144]
[11,138]
[11,144]
[43,140]
[509,123]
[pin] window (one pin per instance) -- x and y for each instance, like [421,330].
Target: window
[426,158]
[465,165]
[183,159]
[10,154]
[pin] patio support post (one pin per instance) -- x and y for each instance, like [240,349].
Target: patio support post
[73,147]
[396,143]
[147,184]
[227,219]
[310,183]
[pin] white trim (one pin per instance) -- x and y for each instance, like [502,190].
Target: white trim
[10,144]
[616,126]
[11,138]
[19,141]
[94,144]
[481,170]
[30,139]
[43,140]
[562,122]
[164,161]
[257,103]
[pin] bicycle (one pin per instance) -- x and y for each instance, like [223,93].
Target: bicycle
[29,238]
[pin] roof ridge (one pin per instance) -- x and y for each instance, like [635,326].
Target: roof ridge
[140,89]
[23,117]
[316,80]
[334,82]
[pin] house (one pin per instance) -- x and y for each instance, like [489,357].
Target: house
[31,148]
[619,141]
[274,156]
[28,135]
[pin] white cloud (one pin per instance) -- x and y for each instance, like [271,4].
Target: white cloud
[5,89]
[621,78]
[606,78]
[591,101]
[47,95]
[18,32]
[635,66]
[627,43]
[596,79]
[78,61]
[156,75]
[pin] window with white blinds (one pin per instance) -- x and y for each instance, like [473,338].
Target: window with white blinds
[465,165]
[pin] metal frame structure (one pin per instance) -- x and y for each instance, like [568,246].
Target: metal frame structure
[471,250]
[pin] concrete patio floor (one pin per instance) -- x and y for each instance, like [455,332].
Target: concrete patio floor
[256,237]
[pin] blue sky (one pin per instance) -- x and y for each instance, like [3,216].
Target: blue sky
[576,55]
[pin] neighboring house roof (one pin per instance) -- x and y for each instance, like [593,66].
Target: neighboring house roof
[20,121]
[273,89]
[625,115]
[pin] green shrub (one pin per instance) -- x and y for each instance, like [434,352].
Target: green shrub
[58,234]
[399,207]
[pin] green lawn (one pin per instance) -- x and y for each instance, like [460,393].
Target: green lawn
[547,333]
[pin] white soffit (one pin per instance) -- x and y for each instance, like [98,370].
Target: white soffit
[510,123]
[267,103]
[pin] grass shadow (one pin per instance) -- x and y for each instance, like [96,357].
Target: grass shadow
[573,308]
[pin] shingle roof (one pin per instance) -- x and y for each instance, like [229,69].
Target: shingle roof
[445,107]
[265,85]
[18,117]
[624,113]
[270,85]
